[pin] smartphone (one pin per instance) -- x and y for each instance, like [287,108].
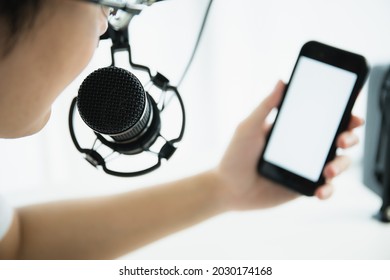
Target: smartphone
[315,108]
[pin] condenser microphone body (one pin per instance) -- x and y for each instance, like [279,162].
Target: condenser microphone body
[114,104]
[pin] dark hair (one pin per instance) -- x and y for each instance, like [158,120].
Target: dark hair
[16,16]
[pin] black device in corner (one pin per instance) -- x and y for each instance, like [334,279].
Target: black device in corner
[376,160]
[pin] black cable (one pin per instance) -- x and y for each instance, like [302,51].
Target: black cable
[196,44]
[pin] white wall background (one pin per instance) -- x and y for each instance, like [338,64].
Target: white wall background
[246,47]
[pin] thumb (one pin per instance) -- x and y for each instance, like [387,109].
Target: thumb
[259,115]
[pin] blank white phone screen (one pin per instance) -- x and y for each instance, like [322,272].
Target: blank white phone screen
[309,118]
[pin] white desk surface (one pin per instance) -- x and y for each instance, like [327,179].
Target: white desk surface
[341,228]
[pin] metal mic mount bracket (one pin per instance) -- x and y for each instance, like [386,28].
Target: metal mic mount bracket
[120,42]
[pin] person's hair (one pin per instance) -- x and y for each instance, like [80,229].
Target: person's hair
[16,16]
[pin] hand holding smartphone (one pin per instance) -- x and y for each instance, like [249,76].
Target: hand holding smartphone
[315,109]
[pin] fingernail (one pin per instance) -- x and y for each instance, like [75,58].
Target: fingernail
[351,139]
[326,192]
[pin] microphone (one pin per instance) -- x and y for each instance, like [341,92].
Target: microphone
[124,118]
[112,102]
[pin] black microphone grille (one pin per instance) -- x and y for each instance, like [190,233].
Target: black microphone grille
[111,100]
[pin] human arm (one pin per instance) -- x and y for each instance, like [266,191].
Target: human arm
[108,227]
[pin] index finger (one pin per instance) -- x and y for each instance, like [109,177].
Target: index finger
[355,122]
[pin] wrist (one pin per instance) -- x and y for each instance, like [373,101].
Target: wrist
[221,194]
